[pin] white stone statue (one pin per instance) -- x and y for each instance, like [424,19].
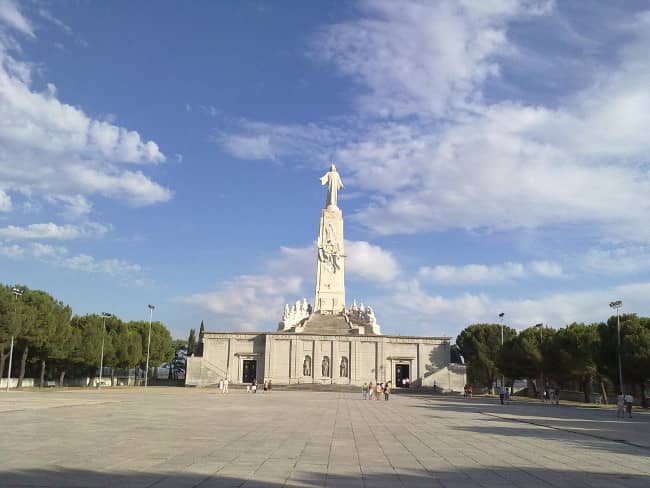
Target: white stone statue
[334,184]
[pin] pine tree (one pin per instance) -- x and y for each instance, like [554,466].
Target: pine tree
[191,342]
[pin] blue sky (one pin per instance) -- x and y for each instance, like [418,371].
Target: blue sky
[495,157]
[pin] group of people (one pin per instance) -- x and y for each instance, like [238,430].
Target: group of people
[624,404]
[252,388]
[370,391]
[223,385]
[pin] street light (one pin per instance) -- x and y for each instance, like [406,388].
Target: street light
[541,363]
[501,320]
[146,371]
[17,293]
[101,361]
[617,304]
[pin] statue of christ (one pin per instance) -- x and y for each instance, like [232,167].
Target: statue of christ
[334,184]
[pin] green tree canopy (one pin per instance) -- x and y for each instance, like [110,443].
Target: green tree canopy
[480,345]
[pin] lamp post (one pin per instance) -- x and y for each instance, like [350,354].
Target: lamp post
[501,320]
[617,304]
[146,371]
[101,361]
[541,355]
[17,293]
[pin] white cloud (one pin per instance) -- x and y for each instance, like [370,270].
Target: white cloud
[5,202]
[10,14]
[441,156]
[418,58]
[617,260]
[52,149]
[59,256]
[489,274]
[248,301]
[472,273]
[256,301]
[259,140]
[370,262]
[435,314]
[52,231]
[12,251]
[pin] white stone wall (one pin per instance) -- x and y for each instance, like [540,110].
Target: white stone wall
[281,357]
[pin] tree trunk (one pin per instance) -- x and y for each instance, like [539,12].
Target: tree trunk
[586,388]
[3,358]
[603,392]
[112,376]
[23,363]
[61,376]
[42,382]
[644,400]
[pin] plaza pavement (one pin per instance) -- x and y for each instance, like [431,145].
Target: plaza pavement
[178,437]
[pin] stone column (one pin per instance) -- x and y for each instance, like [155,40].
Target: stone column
[330,271]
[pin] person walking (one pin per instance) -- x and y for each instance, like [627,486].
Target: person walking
[377,392]
[364,390]
[620,405]
[221,386]
[225,385]
[502,395]
[386,391]
[557,395]
[254,386]
[628,399]
[371,390]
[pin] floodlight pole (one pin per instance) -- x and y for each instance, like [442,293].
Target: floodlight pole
[146,372]
[617,305]
[17,293]
[541,353]
[503,380]
[101,361]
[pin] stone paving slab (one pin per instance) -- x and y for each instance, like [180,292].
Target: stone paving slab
[176,437]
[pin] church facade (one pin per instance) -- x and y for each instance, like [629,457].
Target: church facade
[327,343]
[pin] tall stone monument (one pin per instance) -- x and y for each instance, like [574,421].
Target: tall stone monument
[330,268]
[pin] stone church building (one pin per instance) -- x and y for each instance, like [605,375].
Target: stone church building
[327,343]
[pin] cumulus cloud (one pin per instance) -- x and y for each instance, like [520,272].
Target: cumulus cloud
[432,313]
[256,301]
[436,153]
[51,230]
[370,262]
[50,148]
[12,251]
[418,57]
[59,256]
[489,274]
[11,15]
[5,202]
[248,301]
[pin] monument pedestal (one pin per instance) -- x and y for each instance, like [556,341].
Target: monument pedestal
[330,273]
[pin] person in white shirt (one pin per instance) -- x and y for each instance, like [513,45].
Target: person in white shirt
[225,385]
[620,405]
[629,399]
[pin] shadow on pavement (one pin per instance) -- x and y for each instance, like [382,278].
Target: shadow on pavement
[498,477]
[566,422]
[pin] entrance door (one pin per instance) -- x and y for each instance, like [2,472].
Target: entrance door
[401,373]
[249,370]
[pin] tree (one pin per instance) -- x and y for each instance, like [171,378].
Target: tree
[85,352]
[635,350]
[161,348]
[199,345]
[523,356]
[480,345]
[572,355]
[191,342]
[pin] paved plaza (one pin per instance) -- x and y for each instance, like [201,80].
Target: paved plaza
[180,437]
